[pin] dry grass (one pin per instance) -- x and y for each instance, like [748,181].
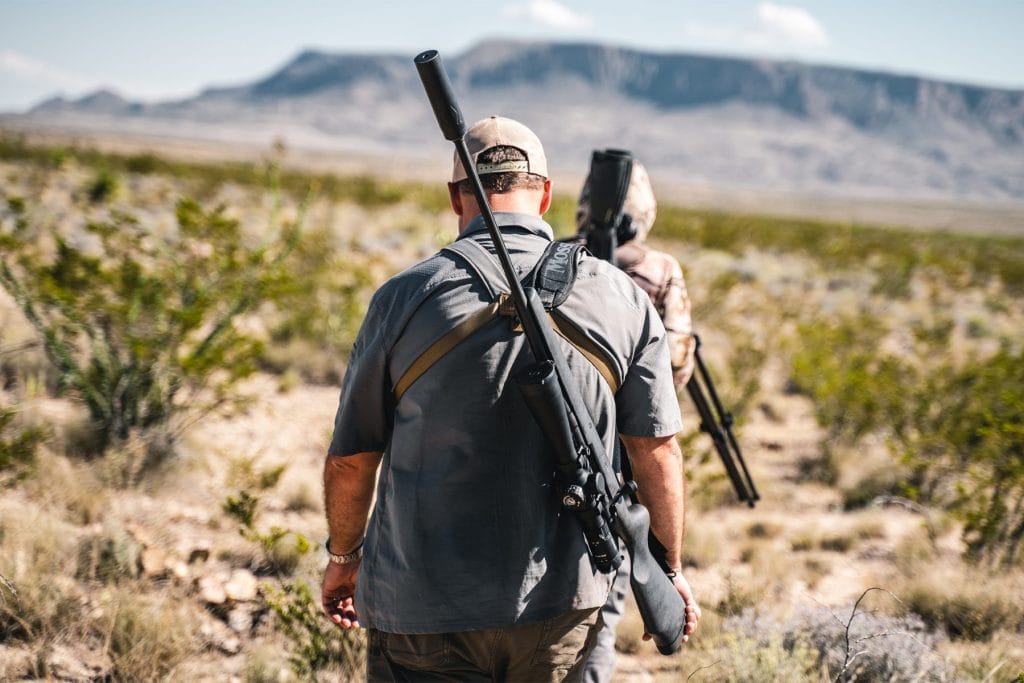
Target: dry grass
[1001,658]
[59,483]
[147,637]
[109,555]
[701,548]
[36,561]
[965,603]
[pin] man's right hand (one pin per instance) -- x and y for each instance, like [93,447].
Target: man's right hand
[338,592]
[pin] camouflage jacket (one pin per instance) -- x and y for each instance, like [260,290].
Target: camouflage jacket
[659,274]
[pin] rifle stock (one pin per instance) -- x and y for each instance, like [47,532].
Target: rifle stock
[561,413]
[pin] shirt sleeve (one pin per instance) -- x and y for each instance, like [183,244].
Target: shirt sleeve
[366,407]
[646,403]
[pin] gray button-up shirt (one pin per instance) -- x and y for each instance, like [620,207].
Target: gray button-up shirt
[467,531]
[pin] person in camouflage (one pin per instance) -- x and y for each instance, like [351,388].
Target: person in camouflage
[660,276]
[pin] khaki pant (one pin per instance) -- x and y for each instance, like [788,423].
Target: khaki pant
[547,651]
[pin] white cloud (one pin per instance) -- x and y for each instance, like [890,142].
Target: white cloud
[549,13]
[793,25]
[22,67]
[777,27]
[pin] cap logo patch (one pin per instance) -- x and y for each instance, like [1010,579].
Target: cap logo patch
[511,166]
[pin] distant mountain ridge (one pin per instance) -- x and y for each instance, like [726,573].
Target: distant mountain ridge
[719,120]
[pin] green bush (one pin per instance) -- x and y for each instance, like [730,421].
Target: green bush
[316,643]
[968,436]
[142,327]
[103,187]
[895,254]
[958,429]
[855,389]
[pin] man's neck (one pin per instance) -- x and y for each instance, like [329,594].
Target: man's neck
[517,201]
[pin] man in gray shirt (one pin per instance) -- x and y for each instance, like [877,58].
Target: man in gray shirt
[470,568]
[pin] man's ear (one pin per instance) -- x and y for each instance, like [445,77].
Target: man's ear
[545,200]
[455,198]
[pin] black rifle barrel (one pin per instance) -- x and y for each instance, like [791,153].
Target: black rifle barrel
[453,127]
[661,606]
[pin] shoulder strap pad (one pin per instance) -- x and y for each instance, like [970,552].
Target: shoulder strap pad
[555,273]
[481,263]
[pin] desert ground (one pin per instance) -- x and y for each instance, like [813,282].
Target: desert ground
[181,551]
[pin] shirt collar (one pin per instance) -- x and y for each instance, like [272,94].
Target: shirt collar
[532,224]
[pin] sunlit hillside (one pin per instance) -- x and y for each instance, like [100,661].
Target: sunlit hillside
[172,339]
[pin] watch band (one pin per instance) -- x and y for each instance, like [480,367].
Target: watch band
[347,557]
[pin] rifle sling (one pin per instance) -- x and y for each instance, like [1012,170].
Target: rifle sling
[502,306]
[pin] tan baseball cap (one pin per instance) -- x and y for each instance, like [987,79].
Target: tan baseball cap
[498,131]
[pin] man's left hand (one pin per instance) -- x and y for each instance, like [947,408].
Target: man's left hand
[338,593]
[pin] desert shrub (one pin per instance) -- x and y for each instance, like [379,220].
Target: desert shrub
[894,273]
[959,431]
[205,177]
[316,643]
[322,307]
[969,606]
[243,473]
[870,486]
[143,327]
[822,467]
[859,646]
[103,186]
[763,529]
[109,556]
[263,666]
[124,464]
[744,656]
[302,498]
[18,445]
[855,389]
[282,549]
[969,434]
[739,597]
[895,253]
[803,541]
[839,543]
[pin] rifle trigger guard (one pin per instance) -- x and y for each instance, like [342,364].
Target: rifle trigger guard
[627,491]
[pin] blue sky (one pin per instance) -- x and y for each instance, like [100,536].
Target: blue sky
[152,50]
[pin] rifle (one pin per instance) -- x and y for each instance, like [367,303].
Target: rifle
[608,227]
[720,430]
[610,172]
[556,404]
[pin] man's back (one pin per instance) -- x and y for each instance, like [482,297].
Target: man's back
[468,531]
[467,495]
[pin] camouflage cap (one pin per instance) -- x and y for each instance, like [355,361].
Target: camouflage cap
[498,131]
[640,203]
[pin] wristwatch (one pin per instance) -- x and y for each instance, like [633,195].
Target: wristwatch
[347,557]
